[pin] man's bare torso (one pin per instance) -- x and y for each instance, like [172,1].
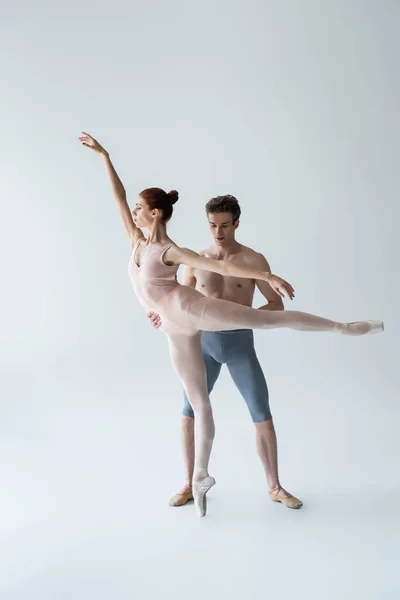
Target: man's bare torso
[234,289]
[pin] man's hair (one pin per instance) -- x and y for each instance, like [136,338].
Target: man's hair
[222,204]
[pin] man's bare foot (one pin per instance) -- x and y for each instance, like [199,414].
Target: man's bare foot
[182,497]
[280,495]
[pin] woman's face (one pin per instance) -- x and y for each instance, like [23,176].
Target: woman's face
[142,215]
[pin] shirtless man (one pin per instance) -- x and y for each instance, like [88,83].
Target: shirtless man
[233,348]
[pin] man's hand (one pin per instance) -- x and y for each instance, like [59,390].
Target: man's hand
[154,319]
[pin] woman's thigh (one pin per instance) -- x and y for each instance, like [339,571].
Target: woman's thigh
[188,362]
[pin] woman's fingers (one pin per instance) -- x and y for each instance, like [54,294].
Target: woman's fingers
[86,141]
[89,145]
[89,141]
[288,289]
[276,287]
[284,288]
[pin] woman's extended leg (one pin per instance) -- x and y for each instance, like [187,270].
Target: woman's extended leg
[212,314]
[188,361]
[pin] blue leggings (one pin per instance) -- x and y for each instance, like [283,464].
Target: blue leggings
[236,350]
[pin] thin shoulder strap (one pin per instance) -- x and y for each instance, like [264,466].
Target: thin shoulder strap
[136,244]
[160,249]
[163,251]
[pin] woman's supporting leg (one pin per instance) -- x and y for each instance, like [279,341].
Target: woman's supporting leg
[213,369]
[212,314]
[187,358]
[188,361]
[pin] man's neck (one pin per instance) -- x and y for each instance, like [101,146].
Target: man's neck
[222,252]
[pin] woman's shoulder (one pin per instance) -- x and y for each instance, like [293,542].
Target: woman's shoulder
[139,240]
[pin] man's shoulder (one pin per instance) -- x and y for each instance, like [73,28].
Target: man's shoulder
[252,256]
[207,252]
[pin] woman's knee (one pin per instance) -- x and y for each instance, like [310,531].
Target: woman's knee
[199,402]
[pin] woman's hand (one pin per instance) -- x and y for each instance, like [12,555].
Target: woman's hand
[280,286]
[90,142]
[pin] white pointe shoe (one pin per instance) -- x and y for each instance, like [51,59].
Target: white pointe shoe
[200,489]
[359,328]
[376,327]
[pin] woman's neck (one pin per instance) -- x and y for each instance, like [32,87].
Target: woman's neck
[158,232]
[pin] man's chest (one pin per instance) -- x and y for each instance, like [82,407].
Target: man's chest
[235,289]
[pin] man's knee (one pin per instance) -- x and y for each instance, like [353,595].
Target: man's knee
[259,409]
[188,411]
[187,424]
[264,427]
[187,408]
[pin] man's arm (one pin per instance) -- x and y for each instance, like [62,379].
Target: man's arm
[275,302]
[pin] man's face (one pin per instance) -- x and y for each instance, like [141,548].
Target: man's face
[222,227]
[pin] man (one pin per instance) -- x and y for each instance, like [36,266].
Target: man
[233,348]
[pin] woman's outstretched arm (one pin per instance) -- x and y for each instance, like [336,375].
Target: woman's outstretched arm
[187,257]
[117,187]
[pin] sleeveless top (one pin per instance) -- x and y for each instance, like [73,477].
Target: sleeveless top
[153,279]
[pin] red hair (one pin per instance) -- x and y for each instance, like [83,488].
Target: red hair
[157,198]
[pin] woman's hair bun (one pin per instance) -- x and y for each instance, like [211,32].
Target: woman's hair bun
[173,196]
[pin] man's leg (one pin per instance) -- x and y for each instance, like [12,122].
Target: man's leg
[248,377]
[213,369]
[268,451]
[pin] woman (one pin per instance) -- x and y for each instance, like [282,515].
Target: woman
[185,312]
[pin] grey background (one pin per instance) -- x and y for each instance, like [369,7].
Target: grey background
[292,107]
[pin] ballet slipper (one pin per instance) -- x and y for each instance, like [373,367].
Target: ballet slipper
[360,328]
[200,489]
[182,497]
[288,500]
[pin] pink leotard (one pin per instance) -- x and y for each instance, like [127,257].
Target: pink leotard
[153,279]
